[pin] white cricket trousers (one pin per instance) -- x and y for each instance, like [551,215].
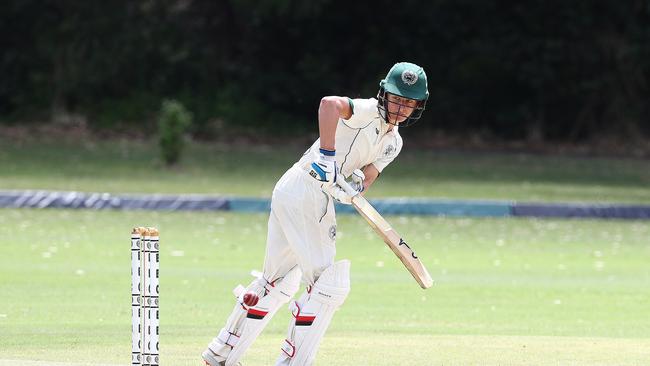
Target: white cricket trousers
[302,228]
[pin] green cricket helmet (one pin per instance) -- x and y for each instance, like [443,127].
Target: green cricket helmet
[406,80]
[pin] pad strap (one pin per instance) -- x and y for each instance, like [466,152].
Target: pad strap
[228,338]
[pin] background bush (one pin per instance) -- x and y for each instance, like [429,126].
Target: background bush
[173,122]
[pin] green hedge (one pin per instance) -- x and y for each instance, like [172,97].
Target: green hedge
[550,70]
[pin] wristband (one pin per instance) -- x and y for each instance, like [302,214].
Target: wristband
[327,152]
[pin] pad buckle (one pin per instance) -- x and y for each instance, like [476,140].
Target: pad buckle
[295,309]
[288,348]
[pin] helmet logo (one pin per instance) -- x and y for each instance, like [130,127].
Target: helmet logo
[409,77]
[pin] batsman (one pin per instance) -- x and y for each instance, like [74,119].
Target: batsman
[358,139]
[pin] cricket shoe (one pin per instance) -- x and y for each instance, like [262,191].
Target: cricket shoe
[210,359]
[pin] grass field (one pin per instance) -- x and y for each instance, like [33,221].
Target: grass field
[130,166]
[508,291]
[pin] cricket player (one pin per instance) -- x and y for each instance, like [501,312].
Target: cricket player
[358,139]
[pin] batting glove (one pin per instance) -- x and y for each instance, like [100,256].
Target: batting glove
[356,180]
[342,191]
[324,169]
[338,193]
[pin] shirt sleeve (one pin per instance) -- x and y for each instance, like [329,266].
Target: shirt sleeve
[389,151]
[364,111]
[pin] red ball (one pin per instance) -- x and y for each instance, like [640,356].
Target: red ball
[251,299]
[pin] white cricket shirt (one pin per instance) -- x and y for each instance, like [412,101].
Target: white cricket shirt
[361,140]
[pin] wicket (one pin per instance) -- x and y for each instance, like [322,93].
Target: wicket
[145,319]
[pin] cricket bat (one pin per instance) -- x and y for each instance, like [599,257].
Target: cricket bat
[394,241]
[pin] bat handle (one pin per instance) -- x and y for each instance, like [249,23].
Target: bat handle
[347,188]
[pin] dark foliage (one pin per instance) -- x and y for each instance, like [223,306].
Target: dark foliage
[535,69]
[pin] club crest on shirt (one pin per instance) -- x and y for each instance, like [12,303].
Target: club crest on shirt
[332,232]
[390,149]
[409,77]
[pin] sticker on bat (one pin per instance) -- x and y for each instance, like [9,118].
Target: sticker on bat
[402,242]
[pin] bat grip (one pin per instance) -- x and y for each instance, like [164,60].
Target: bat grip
[347,188]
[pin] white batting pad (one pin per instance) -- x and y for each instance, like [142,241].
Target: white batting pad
[313,314]
[254,319]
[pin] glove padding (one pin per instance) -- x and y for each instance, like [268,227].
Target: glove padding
[324,169]
[342,191]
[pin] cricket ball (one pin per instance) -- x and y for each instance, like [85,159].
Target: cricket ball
[251,299]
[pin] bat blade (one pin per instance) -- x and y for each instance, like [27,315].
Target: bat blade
[394,241]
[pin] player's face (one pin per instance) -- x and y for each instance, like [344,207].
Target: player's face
[399,108]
